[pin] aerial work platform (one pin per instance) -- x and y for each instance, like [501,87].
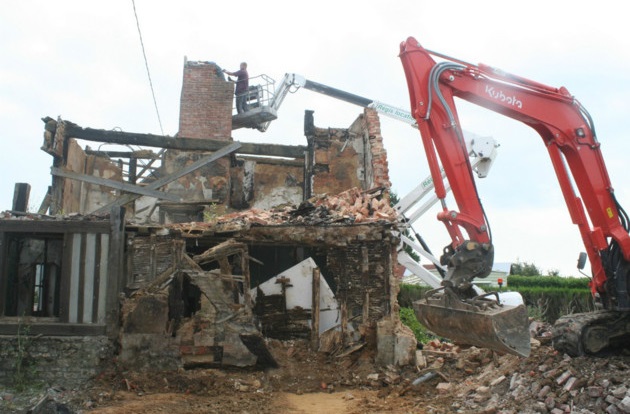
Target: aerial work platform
[260,106]
[254,117]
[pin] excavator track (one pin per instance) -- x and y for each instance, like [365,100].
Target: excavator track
[591,333]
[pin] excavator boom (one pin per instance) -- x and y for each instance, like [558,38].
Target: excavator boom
[568,134]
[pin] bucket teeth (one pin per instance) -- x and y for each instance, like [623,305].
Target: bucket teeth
[480,321]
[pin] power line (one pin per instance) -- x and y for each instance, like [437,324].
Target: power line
[146,63]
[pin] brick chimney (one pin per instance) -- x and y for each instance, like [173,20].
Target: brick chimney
[205,109]
[205,113]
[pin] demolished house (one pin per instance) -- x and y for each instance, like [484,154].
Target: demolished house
[193,254]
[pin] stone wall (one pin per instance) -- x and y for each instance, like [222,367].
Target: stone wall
[52,361]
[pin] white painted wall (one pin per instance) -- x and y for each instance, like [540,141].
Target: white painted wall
[301,291]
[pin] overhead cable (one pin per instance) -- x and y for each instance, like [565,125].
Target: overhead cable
[146,63]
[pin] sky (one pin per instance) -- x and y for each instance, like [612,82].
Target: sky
[83,61]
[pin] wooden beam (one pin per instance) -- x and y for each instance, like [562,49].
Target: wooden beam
[20,196]
[119,185]
[179,143]
[315,309]
[43,207]
[275,161]
[4,273]
[127,198]
[229,247]
[116,274]
[143,154]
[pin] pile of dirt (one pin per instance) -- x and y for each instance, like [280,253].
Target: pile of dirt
[448,379]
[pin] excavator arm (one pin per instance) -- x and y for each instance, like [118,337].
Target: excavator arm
[567,133]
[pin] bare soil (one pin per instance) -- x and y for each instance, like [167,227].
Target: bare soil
[466,380]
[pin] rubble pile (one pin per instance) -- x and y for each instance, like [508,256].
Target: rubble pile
[447,378]
[357,206]
[349,207]
[478,380]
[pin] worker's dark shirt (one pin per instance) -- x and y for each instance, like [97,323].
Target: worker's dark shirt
[242,81]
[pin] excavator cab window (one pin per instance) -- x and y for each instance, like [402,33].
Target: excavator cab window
[581,260]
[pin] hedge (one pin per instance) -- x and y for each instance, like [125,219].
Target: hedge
[546,297]
[410,293]
[549,303]
[515,282]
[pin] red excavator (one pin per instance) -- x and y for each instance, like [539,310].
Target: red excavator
[455,310]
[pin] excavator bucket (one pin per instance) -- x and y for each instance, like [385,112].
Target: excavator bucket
[480,321]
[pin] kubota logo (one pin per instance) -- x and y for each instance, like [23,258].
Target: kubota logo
[500,96]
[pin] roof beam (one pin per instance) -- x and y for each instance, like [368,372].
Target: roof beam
[179,143]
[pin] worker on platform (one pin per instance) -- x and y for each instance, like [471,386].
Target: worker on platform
[242,85]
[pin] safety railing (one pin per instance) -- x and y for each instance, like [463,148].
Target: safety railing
[260,92]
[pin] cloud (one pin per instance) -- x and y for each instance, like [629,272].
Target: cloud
[84,61]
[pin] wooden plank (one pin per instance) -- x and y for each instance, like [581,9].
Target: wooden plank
[43,207]
[133,166]
[127,198]
[153,258]
[343,310]
[89,274]
[4,274]
[315,309]
[102,284]
[81,280]
[142,154]
[229,247]
[118,185]
[66,267]
[365,318]
[180,143]
[365,278]
[97,277]
[247,297]
[21,194]
[275,161]
[75,270]
[115,275]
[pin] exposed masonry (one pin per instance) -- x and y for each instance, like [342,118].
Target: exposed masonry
[206,102]
[170,275]
[54,359]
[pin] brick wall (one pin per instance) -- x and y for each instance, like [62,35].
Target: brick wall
[380,167]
